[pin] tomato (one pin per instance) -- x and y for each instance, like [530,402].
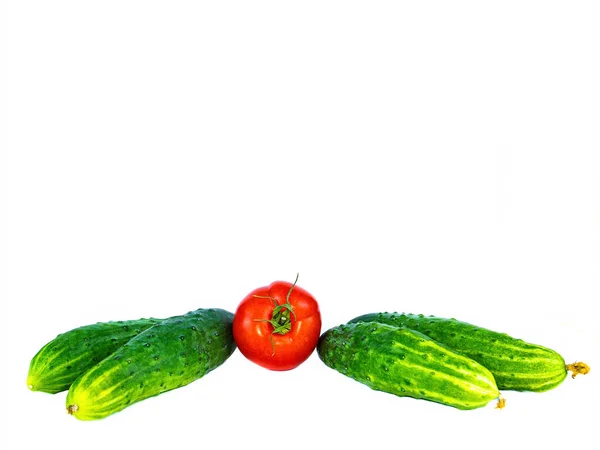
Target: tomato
[277,326]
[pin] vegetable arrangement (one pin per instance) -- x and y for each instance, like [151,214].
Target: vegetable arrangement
[437,375]
[515,364]
[108,366]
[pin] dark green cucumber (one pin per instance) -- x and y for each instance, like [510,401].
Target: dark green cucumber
[404,362]
[515,364]
[62,360]
[170,354]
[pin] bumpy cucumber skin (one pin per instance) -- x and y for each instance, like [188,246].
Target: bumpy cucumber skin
[58,363]
[168,355]
[515,364]
[406,363]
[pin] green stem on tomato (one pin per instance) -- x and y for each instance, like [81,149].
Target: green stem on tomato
[280,319]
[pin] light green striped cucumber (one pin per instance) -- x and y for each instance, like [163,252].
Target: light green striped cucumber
[515,364]
[407,363]
[62,360]
[166,356]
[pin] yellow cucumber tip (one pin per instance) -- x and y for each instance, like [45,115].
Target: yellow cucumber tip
[501,402]
[578,368]
[31,383]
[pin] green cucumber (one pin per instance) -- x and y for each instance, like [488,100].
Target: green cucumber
[515,364]
[166,356]
[66,357]
[407,363]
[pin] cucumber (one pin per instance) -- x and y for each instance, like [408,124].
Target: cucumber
[515,364]
[166,356]
[407,363]
[58,363]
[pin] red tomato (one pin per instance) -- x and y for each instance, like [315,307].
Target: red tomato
[277,326]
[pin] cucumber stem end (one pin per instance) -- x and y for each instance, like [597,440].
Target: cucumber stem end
[578,368]
[501,402]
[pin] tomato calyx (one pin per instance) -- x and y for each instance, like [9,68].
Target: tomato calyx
[281,317]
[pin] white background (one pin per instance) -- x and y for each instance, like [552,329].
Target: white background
[430,157]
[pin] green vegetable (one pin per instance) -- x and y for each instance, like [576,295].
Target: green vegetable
[405,362]
[166,356]
[62,360]
[515,364]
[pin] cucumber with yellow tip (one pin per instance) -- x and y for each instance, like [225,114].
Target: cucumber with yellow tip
[407,363]
[166,356]
[516,365]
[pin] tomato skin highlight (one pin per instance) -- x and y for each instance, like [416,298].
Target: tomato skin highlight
[254,334]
